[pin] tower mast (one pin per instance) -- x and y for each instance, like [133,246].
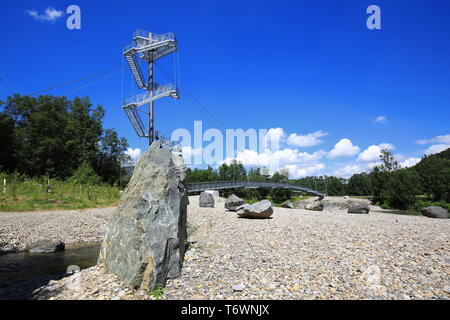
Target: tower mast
[147,47]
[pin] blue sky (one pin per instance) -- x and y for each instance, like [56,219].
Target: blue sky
[311,70]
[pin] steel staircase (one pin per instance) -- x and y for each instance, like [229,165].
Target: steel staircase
[136,71]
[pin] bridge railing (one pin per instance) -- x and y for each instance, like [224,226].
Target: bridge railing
[217,185]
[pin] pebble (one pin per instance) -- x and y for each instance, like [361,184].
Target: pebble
[238,287]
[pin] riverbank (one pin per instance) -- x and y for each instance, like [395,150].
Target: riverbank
[298,254]
[17,229]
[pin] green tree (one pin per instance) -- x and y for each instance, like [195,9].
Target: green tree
[434,172]
[335,186]
[380,176]
[85,175]
[8,143]
[83,132]
[359,185]
[52,136]
[234,171]
[202,175]
[404,185]
[108,163]
[280,195]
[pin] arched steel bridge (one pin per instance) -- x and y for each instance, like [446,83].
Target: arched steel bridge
[202,186]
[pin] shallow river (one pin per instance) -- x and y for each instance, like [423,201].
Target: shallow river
[16,268]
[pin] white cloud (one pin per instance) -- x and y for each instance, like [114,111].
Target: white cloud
[348,171]
[444,139]
[50,14]
[436,148]
[309,140]
[297,171]
[277,158]
[188,151]
[373,152]
[344,148]
[134,154]
[300,164]
[410,162]
[380,119]
[274,135]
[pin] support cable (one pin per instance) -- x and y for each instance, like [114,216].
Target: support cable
[214,121]
[68,83]
[74,90]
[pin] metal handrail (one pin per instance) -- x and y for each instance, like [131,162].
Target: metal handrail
[158,90]
[151,37]
[200,186]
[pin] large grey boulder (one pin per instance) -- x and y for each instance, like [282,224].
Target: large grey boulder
[314,206]
[435,212]
[146,238]
[259,210]
[46,246]
[206,200]
[233,202]
[287,204]
[359,209]
[301,204]
[343,203]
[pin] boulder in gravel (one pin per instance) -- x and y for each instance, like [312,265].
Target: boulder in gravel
[287,204]
[206,200]
[146,239]
[315,206]
[435,212]
[258,210]
[343,203]
[233,202]
[359,208]
[46,246]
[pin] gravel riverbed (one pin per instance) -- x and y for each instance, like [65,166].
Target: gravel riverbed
[17,229]
[298,254]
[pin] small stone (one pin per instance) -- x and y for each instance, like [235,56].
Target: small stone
[238,288]
[295,287]
[73,269]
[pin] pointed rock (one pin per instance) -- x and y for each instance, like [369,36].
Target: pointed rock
[146,238]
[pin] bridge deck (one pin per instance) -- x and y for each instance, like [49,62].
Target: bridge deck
[218,185]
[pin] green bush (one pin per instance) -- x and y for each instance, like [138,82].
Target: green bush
[85,175]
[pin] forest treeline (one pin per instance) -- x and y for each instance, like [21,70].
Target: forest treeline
[387,184]
[54,137]
[62,139]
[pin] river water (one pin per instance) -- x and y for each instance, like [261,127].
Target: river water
[18,268]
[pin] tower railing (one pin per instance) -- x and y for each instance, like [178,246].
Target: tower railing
[151,37]
[166,90]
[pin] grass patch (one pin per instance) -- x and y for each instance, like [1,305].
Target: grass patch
[300,198]
[414,210]
[48,194]
[157,292]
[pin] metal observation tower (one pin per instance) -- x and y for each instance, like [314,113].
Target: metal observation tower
[148,47]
